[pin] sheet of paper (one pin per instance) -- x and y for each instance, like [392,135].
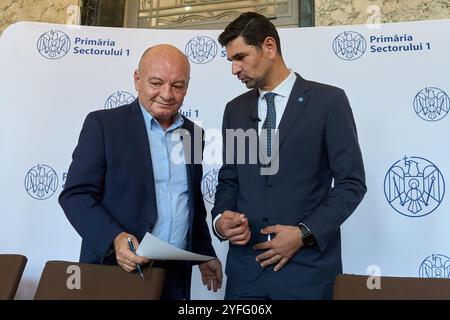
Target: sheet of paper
[153,248]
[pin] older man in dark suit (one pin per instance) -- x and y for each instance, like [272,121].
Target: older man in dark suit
[126,177]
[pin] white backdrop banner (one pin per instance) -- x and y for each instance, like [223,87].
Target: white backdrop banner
[396,78]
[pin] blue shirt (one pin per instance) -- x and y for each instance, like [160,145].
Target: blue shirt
[171,186]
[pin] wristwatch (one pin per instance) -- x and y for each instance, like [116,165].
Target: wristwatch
[307,236]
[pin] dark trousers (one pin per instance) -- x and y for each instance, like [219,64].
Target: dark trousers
[269,286]
[177,281]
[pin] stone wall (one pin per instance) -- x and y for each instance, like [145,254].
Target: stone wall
[328,12]
[344,12]
[54,11]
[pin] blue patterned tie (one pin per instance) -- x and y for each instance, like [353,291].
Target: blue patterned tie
[271,120]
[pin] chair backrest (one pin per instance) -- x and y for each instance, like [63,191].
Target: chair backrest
[11,270]
[63,280]
[356,287]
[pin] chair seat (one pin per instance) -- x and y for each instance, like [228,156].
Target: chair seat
[355,287]
[64,280]
[11,270]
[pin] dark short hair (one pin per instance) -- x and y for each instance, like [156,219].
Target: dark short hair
[254,29]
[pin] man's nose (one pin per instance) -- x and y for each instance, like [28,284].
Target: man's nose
[235,68]
[166,92]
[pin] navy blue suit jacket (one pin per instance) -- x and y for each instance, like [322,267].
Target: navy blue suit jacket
[318,143]
[110,185]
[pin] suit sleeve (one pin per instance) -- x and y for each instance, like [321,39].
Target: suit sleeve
[227,186]
[83,190]
[202,238]
[347,169]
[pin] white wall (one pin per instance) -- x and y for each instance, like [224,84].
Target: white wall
[44,101]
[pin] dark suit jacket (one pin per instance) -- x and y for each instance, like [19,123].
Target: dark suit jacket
[318,143]
[110,185]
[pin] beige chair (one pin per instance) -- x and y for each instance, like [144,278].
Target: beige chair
[11,270]
[354,287]
[63,280]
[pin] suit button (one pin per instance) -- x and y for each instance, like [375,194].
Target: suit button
[269,185]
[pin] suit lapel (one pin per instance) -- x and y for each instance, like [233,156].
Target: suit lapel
[189,152]
[139,139]
[189,158]
[296,103]
[253,123]
[253,118]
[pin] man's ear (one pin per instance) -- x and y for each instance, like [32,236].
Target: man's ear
[270,46]
[187,83]
[136,79]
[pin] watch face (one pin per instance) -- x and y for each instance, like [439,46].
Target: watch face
[308,238]
[305,231]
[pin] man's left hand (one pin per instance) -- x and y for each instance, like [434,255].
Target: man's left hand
[211,274]
[286,242]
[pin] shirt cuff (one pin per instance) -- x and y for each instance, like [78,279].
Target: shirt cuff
[214,227]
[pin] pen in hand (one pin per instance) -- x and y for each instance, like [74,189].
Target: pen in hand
[130,243]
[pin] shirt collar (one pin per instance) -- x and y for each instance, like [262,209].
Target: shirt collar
[150,121]
[284,88]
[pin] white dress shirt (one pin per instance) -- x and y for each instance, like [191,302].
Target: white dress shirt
[282,91]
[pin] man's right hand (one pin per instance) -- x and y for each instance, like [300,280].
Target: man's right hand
[234,227]
[125,257]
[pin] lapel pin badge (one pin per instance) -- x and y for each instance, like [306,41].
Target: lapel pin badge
[300,99]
